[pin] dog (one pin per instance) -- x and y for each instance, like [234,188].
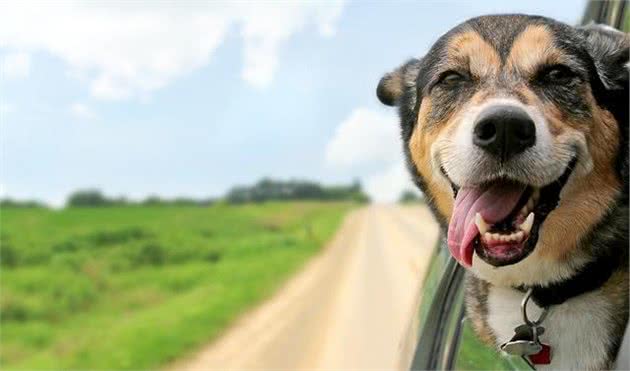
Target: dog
[515,128]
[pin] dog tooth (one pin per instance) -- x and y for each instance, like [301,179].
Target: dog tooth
[487,236]
[519,235]
[528,223]
[482,226]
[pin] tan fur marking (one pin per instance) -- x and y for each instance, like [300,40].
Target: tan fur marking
[467,50]
[470,48]
[588,197]
[476,299]
[479,98]
[420,149]
[533,47]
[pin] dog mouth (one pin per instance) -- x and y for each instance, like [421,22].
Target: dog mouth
[500,220]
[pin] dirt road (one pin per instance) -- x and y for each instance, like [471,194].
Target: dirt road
[347,309]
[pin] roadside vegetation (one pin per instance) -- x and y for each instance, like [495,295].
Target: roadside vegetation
[411,197]
[134,287]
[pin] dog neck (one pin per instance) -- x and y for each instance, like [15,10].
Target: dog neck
[590,277]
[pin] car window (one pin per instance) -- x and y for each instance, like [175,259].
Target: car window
[431,281]
[472,354]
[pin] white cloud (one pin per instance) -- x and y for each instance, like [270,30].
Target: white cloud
[82,111]
[15,65]
[366,136]
[388,185]
[129,49]
[371,139]
[263,35]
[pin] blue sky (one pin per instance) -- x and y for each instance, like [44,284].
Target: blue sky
[189,99]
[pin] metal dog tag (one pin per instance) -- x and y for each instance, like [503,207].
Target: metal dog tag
[524,342]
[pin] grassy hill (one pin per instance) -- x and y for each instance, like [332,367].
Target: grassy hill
[135,287]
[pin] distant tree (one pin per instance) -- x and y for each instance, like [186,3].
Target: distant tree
[181,201]
[408,196]
[27,204]
[152,200]
[268,189]
[88,198]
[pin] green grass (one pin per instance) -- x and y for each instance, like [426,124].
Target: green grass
[136,287]
[475,355]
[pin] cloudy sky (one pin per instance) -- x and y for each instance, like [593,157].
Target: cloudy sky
[188,98]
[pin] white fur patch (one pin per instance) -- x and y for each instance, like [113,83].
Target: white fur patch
[533,270]
[578,330]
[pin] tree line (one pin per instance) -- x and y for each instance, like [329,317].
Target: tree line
[263,190]
[268,189]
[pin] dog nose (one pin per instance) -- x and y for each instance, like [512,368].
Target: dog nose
[504,131]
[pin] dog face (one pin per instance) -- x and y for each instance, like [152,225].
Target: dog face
[515,128]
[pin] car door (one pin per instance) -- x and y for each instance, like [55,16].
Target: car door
[446,340]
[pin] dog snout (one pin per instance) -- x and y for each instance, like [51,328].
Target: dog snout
[504,131]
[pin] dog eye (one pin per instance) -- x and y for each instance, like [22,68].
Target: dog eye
[557,74]
[450,78]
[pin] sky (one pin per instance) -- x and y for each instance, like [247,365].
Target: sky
[192,98]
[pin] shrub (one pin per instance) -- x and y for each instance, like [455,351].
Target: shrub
[105,238]
[150,254]
[8,253]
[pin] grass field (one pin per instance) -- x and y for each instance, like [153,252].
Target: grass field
[136,287]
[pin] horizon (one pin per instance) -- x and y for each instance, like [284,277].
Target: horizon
[212,198]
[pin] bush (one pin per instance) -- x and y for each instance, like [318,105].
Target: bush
[212,256]
[409,196]
[8,254]
[87,198]
[150,254]
[105,238]
[27,204]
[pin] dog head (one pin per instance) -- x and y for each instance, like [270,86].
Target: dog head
[515,127]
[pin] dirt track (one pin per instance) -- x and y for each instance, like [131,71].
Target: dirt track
[347,309]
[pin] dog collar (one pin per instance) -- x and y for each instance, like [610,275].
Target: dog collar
[526,342]
[588,278]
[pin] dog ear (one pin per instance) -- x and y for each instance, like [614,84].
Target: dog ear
[609,49]
[392,86]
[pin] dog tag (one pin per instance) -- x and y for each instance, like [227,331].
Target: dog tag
[524,342]
[543,357]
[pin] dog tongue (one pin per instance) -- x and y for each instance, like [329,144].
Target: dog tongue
[494,202]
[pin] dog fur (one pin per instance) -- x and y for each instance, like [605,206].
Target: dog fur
[581,112]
